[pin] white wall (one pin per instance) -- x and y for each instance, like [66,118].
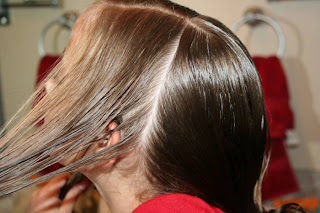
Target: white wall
[18,49]
[299,20]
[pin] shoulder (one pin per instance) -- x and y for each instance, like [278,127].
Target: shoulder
[178,203]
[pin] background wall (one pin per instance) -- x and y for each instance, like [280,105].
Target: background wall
[299,19]
[300,23]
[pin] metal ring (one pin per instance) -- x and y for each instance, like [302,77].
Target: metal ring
[60,21]
[274,24]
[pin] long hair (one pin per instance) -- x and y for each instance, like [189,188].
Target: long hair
[183,88]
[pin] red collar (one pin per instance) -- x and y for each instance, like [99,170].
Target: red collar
[177,203]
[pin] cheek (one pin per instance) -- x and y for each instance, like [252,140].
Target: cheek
[90,168]
[71,158]
[50,84]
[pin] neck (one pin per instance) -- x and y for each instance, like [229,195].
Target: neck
[119,197]
[119,191]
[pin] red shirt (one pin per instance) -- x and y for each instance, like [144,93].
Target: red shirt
[176,203]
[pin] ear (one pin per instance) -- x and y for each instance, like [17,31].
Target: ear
[112,139]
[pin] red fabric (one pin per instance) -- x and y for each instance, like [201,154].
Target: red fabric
[280,178]
[177,203]
[46,64]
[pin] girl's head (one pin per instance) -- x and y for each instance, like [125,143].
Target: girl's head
[182,90]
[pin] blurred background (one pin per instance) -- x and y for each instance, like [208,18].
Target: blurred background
[295,74]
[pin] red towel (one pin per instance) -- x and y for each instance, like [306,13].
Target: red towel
[46,64]
[280,178]
[177,203]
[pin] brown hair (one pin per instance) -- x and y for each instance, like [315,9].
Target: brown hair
[183,88]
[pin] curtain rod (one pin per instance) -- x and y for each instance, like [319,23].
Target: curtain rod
[53,3]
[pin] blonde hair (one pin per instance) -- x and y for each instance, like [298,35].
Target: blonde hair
[182,87]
